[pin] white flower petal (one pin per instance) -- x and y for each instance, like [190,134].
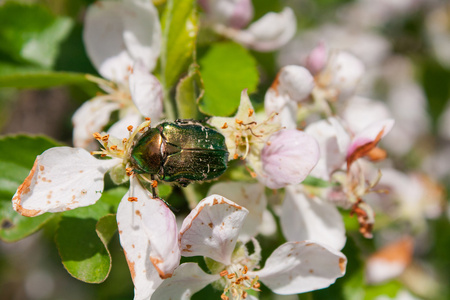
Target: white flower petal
[120,128]
[333,143]
[288,158]
[117,34]
[305,218]
[62,178]
[270,32]
[103,39]
[286,109]
[91,117]
[295,81]
[389,261]
[142,32]
[146,92]
[250,195]
[159,224]
[136,247]
[298,267]
[346,71]
[360,112]
[187,279]
[212,229]
[234,13]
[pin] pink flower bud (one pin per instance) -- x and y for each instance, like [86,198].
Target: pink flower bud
[288,158]
[317,58]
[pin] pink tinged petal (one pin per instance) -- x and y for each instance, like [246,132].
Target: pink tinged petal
[137,249]
[146,92]
[212,229]
[333,143]
[242,14]
[103,39]
[390,261]
[159,224]
[285,108]
[299,267]
[305,218]
[91,117]
[250,195]
[187,279]
[288,158]
[142,32]
[367,139]
[317,58]
[346,71]
[62,178]
[270,32]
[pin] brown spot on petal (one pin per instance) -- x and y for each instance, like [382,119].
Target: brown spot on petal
[210,225]
[363,150]
[138,212]
[41,168]
[130,266]
[342,264]
[276,83]
[156,261]
[24,189]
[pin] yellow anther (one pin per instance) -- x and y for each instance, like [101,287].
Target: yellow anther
[245,270]
[225,125]
[130,128]
[129,171]
[250,112]
[148,119]
[132,199]
[235,156]
[97,136]
[113,147]
[154,183]
[223,273]
[232,275]
[105,137]
[240,122]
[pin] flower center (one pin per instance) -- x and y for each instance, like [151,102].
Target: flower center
[117,148]
[238,282]
[251,134]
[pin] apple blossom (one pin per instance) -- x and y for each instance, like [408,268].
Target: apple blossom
[125,55]
[270,32]
[65,178]
[292,86]
[212,230]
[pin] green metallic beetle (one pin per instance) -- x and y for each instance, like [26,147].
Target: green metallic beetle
[181,152]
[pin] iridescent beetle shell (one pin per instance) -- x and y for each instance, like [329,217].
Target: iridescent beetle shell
[182,152]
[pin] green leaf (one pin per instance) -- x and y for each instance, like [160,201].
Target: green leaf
[14,226]
[179,27]
[316,182]
[31,33]
[227,69]
[23,78]
[113,196]
[82,238]
[18,155]
[189,91]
